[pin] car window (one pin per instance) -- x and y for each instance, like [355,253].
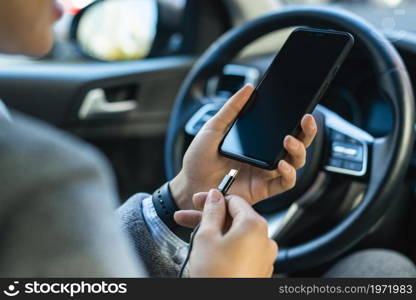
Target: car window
[387,15]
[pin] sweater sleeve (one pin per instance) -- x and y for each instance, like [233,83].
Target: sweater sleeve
[57,214]
[159,261]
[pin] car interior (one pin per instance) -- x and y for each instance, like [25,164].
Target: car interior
[138,79]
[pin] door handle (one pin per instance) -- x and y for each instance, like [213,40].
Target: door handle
[95,104]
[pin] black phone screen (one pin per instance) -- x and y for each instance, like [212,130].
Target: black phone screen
[284,95]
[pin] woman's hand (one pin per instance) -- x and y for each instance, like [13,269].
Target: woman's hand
[204,167]
[232,240]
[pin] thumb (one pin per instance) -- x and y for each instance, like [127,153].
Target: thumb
[227,114]
[213,216]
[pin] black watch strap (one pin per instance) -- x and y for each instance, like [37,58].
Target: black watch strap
[164,205]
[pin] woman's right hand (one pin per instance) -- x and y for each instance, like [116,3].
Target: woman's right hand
[232,240]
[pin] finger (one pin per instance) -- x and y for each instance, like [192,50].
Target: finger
[309,130]
[274,250]
[244,218]
[270,271]
[198,200]
[296,151]
[239,208]
[227,114]
[213,216]
[188,218]
[286,180]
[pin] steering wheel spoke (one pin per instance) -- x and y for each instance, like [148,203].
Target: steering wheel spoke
[349,146]
[348,154]
[201,116]
[218,91]
[289,222]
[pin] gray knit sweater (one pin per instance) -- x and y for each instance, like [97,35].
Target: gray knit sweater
[57,215]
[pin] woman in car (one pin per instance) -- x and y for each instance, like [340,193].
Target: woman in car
[58,195]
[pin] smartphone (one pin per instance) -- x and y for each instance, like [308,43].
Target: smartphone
[296,80]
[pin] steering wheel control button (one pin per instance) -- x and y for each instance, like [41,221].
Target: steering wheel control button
[337,136]
[352,141]
[351,151]
[347,155]
[353,166]
[335,162]
[347,151]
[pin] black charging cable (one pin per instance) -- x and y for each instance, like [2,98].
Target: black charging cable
[223,187]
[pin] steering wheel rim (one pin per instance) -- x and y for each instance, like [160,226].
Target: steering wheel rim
[394,150]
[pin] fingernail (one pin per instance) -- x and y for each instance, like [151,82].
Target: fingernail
[311,125]
[284,166]
[214,196]
[293,143]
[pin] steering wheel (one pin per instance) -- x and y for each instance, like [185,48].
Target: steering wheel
[352,154]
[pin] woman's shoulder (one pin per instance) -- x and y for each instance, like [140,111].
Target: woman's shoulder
[33,138]
[31,150]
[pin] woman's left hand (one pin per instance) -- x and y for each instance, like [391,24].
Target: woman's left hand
[204,167]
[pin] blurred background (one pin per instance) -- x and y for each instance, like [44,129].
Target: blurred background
[138,29]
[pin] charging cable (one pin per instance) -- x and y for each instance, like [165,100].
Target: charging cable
[223,187]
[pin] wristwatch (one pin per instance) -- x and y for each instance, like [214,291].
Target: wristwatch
[165,206]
